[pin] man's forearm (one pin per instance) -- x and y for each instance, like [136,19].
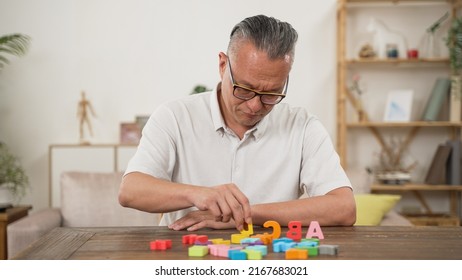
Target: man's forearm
[146,193]
[334,209]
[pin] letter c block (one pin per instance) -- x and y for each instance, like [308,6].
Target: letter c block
[276,228]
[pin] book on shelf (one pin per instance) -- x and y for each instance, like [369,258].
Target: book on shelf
[436,174]
[454,100]
[453,172]
[438,96]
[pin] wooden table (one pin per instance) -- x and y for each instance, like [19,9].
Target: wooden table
[7,217]
[356,243]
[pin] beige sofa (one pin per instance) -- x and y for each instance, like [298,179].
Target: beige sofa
[87,200]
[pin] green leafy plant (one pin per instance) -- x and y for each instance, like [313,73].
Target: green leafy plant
[454,44]
[12,175]
[199,89]
[12,44]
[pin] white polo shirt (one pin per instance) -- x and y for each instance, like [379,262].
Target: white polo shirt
[287,153]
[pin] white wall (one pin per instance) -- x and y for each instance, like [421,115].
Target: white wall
[130,56]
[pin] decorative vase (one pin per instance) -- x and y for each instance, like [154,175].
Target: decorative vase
[430,47]
[6,196]
[360,109]
[455,99]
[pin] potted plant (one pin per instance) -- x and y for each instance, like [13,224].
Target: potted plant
[12,44]
[13,179]
[454,44]
[199,89]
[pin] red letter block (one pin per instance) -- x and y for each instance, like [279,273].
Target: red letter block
[295,230]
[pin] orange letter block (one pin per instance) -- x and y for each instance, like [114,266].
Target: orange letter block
[276,228]
[296,254]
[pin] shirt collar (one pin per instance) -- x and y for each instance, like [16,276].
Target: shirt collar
[219,123]
[217,118]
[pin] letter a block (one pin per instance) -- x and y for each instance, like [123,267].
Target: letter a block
[314,230]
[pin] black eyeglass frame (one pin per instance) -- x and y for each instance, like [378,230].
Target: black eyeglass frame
[256,92]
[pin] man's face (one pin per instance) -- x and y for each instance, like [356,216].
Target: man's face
[253,69]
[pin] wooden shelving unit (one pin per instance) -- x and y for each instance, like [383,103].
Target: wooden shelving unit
[345,99]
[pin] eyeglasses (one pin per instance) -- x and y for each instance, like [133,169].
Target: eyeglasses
[246,93]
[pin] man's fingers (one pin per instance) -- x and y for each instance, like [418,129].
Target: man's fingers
[226,211]
[243,201]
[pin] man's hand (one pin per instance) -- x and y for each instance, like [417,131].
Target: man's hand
[198,219]
[223,203]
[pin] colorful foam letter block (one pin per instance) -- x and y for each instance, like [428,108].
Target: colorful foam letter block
[217,249]
[253,254]
[198,251]
[223,251]
[296,254]
[282,239]
[314,230]
[328,249]
[237,237]
[237,255]
[262,248]
[307,244]
[311,247]
[265,238]
[189,239]
[160,244]
[251,241]
[295,230]
[248,230]
[276,228]
[316,240]
[282,246]
[202,239]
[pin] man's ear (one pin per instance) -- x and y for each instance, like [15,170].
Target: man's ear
[222,60]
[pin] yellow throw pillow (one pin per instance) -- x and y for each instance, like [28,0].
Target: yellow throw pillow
[370,208]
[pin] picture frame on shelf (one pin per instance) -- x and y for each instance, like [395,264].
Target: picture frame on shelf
[399,106]
[130,133]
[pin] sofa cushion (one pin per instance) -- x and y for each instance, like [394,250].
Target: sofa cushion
[91,200]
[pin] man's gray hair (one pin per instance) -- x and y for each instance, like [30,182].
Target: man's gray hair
[268,34]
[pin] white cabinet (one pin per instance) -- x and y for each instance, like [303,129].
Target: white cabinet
[92,158]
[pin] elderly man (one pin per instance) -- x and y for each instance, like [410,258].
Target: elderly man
[237,155]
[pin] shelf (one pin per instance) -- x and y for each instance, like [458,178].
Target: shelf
[415,187]
[95,145]
[362,3]
[399,62]
[405,124]
[416,73]
[433,219]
